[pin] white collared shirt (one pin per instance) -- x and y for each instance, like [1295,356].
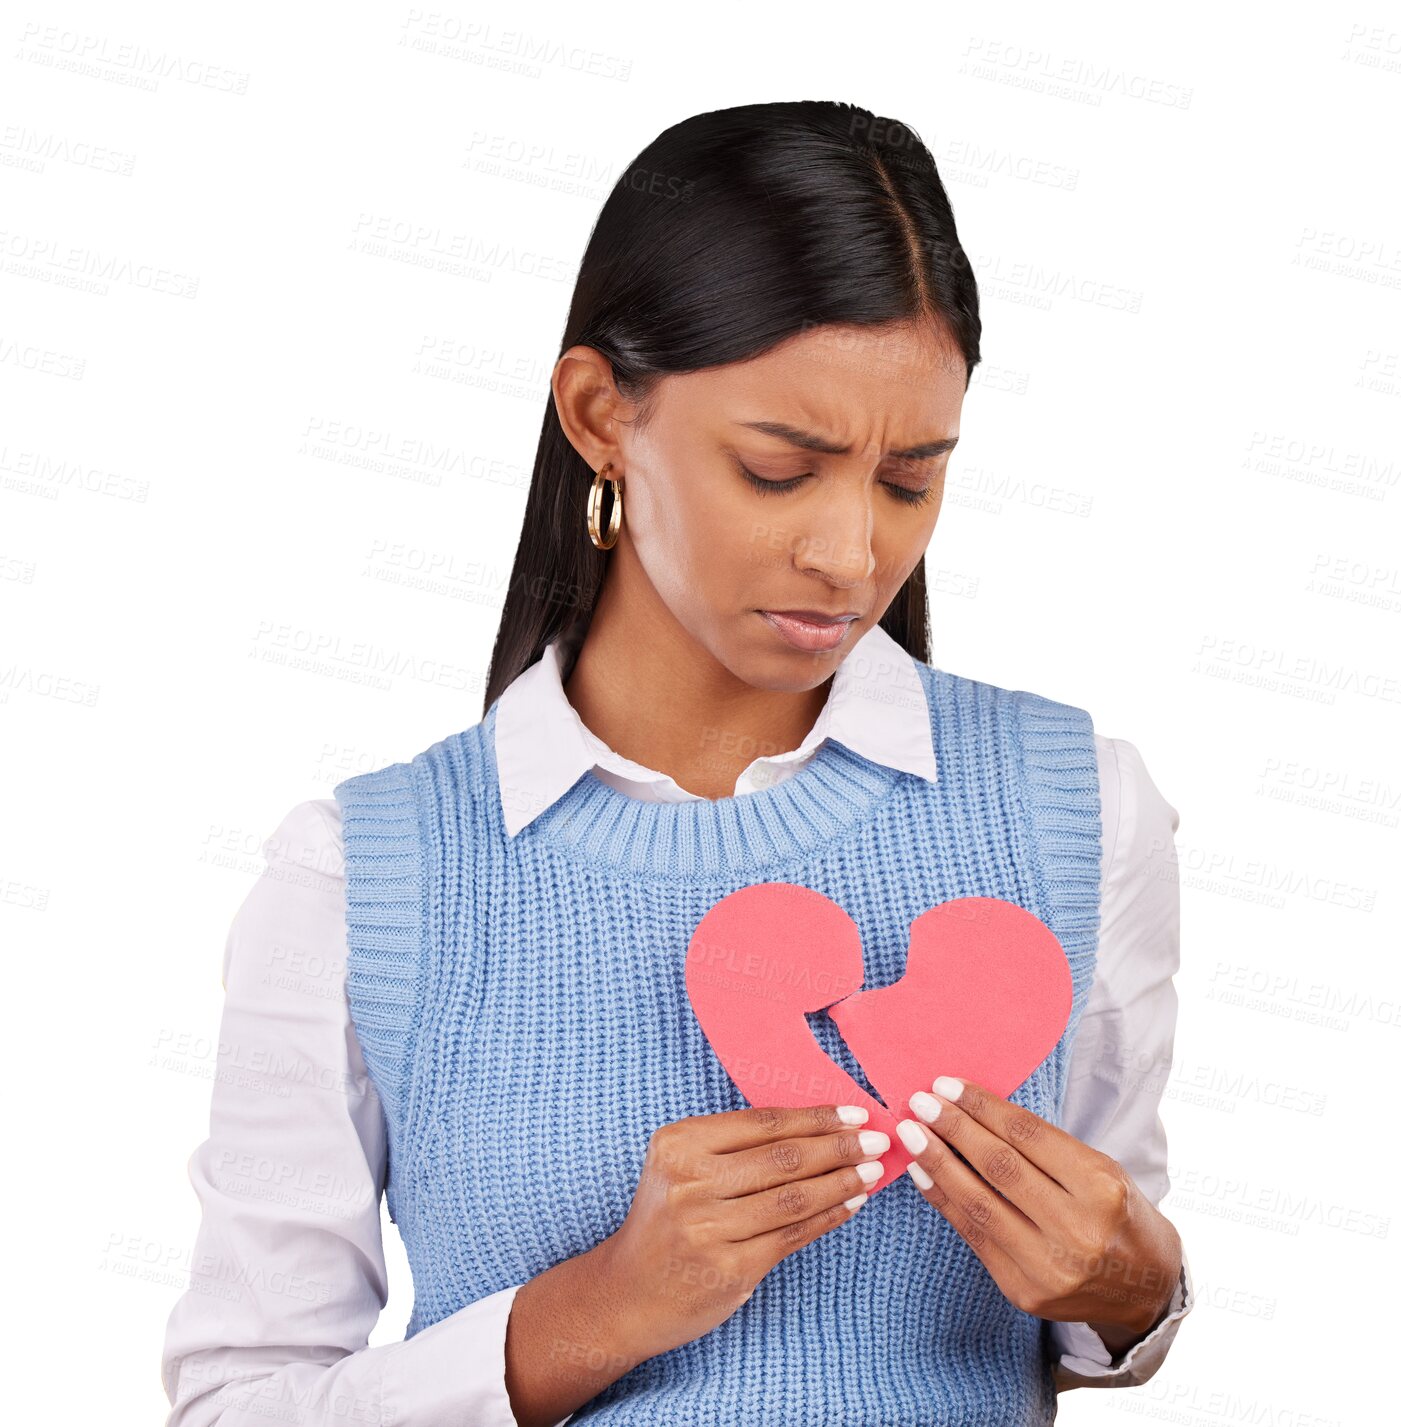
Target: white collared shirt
[876,707]
[288,1274]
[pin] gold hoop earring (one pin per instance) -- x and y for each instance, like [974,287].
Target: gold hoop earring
[615,515]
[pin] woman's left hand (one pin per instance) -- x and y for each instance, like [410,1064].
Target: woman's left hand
[1062,1228]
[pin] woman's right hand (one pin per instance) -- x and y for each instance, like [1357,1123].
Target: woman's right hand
[721,1200]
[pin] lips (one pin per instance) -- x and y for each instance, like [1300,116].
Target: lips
[809,630]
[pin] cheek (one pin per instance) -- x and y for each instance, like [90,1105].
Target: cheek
[694,543]
[898,550]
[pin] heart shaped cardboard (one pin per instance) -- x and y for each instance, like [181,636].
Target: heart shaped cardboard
[986,995]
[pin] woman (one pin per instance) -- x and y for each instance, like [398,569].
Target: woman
[711,671]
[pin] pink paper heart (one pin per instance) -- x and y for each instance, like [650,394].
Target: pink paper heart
[986,995]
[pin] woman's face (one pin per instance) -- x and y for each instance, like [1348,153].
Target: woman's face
[853,426]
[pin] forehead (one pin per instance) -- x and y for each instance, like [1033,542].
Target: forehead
[903,381]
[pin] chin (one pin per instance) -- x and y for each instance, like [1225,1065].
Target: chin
[788,671]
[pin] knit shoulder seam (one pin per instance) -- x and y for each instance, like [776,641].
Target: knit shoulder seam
[385,906]
[1056,784]
[447,777]
[1059,792]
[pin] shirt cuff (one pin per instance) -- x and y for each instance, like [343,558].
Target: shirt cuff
[454,1370]
[1085,1359]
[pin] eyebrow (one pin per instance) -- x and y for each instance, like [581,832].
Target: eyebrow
[808,441]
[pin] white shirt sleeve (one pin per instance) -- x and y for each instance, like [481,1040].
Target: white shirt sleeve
[1121,1056]
[288,1273]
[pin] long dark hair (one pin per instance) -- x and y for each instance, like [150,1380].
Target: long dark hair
[730,232]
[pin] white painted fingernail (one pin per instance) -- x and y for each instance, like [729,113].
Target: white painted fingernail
[874,1141]
[919,1176]
[925,1106]
[948,1087]
[871,1172]
[854,1204]
[853,1114]
[912,1137]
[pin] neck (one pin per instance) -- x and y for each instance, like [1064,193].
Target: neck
[699,723]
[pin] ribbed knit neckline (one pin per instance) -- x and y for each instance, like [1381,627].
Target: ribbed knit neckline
[596,823]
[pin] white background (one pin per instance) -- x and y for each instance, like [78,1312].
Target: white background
[254,541]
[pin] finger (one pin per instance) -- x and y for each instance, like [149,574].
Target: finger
[786,1161]
[788,1238]
[1000,1163]
[1054,1151]
[744,1129]
[998,1232]
[789,1204]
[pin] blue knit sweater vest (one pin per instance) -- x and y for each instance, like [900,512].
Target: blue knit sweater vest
[522,1010]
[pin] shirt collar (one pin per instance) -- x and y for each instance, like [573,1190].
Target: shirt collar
[876,707]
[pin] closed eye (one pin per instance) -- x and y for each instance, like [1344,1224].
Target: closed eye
[771,487]
[906,494]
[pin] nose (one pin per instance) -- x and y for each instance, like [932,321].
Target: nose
[837,544]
